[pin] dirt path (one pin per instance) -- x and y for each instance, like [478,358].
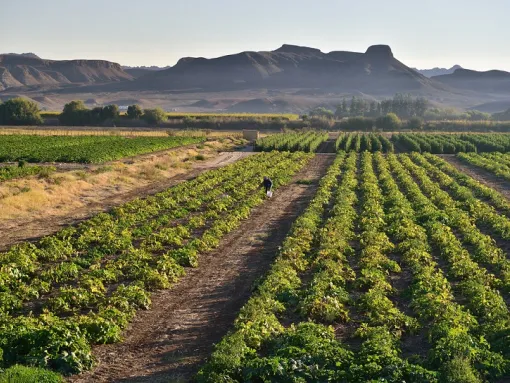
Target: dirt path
[480,175]
[14,231]
[171,341]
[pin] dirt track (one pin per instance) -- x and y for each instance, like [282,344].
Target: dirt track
[481,175]
[169,342]
[14,231]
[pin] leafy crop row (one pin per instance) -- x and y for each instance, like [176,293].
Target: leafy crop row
[452,143]
[497,163]
[358,142]
[306,142]
[335,305]
[83,285]
[84,149]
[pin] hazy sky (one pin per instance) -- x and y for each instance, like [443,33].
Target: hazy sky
[426,33]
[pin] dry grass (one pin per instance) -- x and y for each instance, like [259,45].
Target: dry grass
[63,192]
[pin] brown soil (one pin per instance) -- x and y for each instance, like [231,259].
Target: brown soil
[169,342]
[16,230]
[481,175]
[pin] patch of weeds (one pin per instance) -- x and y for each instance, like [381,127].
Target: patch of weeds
[161,167]
[200,157]
[82,175]
[103,169]
[45,172]
[57,180]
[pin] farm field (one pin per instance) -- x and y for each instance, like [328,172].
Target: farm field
[402,276]
[83,285]
[87,149]
[368,264]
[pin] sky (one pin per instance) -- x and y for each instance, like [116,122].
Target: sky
[422,34]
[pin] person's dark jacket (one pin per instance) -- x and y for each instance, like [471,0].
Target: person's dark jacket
[268,184]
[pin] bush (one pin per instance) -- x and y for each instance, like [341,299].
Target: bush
[415,123]
[134,112]
[154,116]
[388,123]
[22,374]
[19,111]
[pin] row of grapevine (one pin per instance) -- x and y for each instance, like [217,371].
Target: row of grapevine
[83,285]
[498,164]
[359,142]
[452,143]
[304,141]
[400,251]
[83,149]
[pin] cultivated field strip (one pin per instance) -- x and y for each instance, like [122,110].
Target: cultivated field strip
[495,163]
[83,149]
[395,272]
[452,143]
[83,285]
[358,142]
[306,142]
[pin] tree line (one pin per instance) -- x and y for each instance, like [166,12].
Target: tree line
[405,106]
[20,111]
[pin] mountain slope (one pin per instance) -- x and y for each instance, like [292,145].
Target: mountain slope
[437,71]
[290,66]
[30,70]
[494,81]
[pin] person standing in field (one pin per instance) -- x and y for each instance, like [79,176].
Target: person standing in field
[268,184]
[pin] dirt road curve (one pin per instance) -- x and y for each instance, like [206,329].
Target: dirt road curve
[480,175]
[12,232]
[169,342]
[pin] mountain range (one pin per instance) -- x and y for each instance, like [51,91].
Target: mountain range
[289,75]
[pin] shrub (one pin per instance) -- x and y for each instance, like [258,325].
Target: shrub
[154,116]
[388,123]
[22,374]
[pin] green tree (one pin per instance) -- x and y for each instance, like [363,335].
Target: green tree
[110,112]
[74,113]
[154,116]
[20,111]
[134,112]
[388,123]
[415,123]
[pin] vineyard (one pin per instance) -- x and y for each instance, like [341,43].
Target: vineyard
[83,285]
[395,272]
[305,142]
[452,143]
[496,163]
[395,269]
[83,149]
[363,142]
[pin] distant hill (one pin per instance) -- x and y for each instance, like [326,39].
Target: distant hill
[437,71]
[503,116]
[375,71]
[29,70]
[139,71]
[493,81]
[493,106]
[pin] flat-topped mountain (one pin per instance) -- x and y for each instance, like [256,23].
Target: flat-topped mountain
[290,66]
[30,70]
